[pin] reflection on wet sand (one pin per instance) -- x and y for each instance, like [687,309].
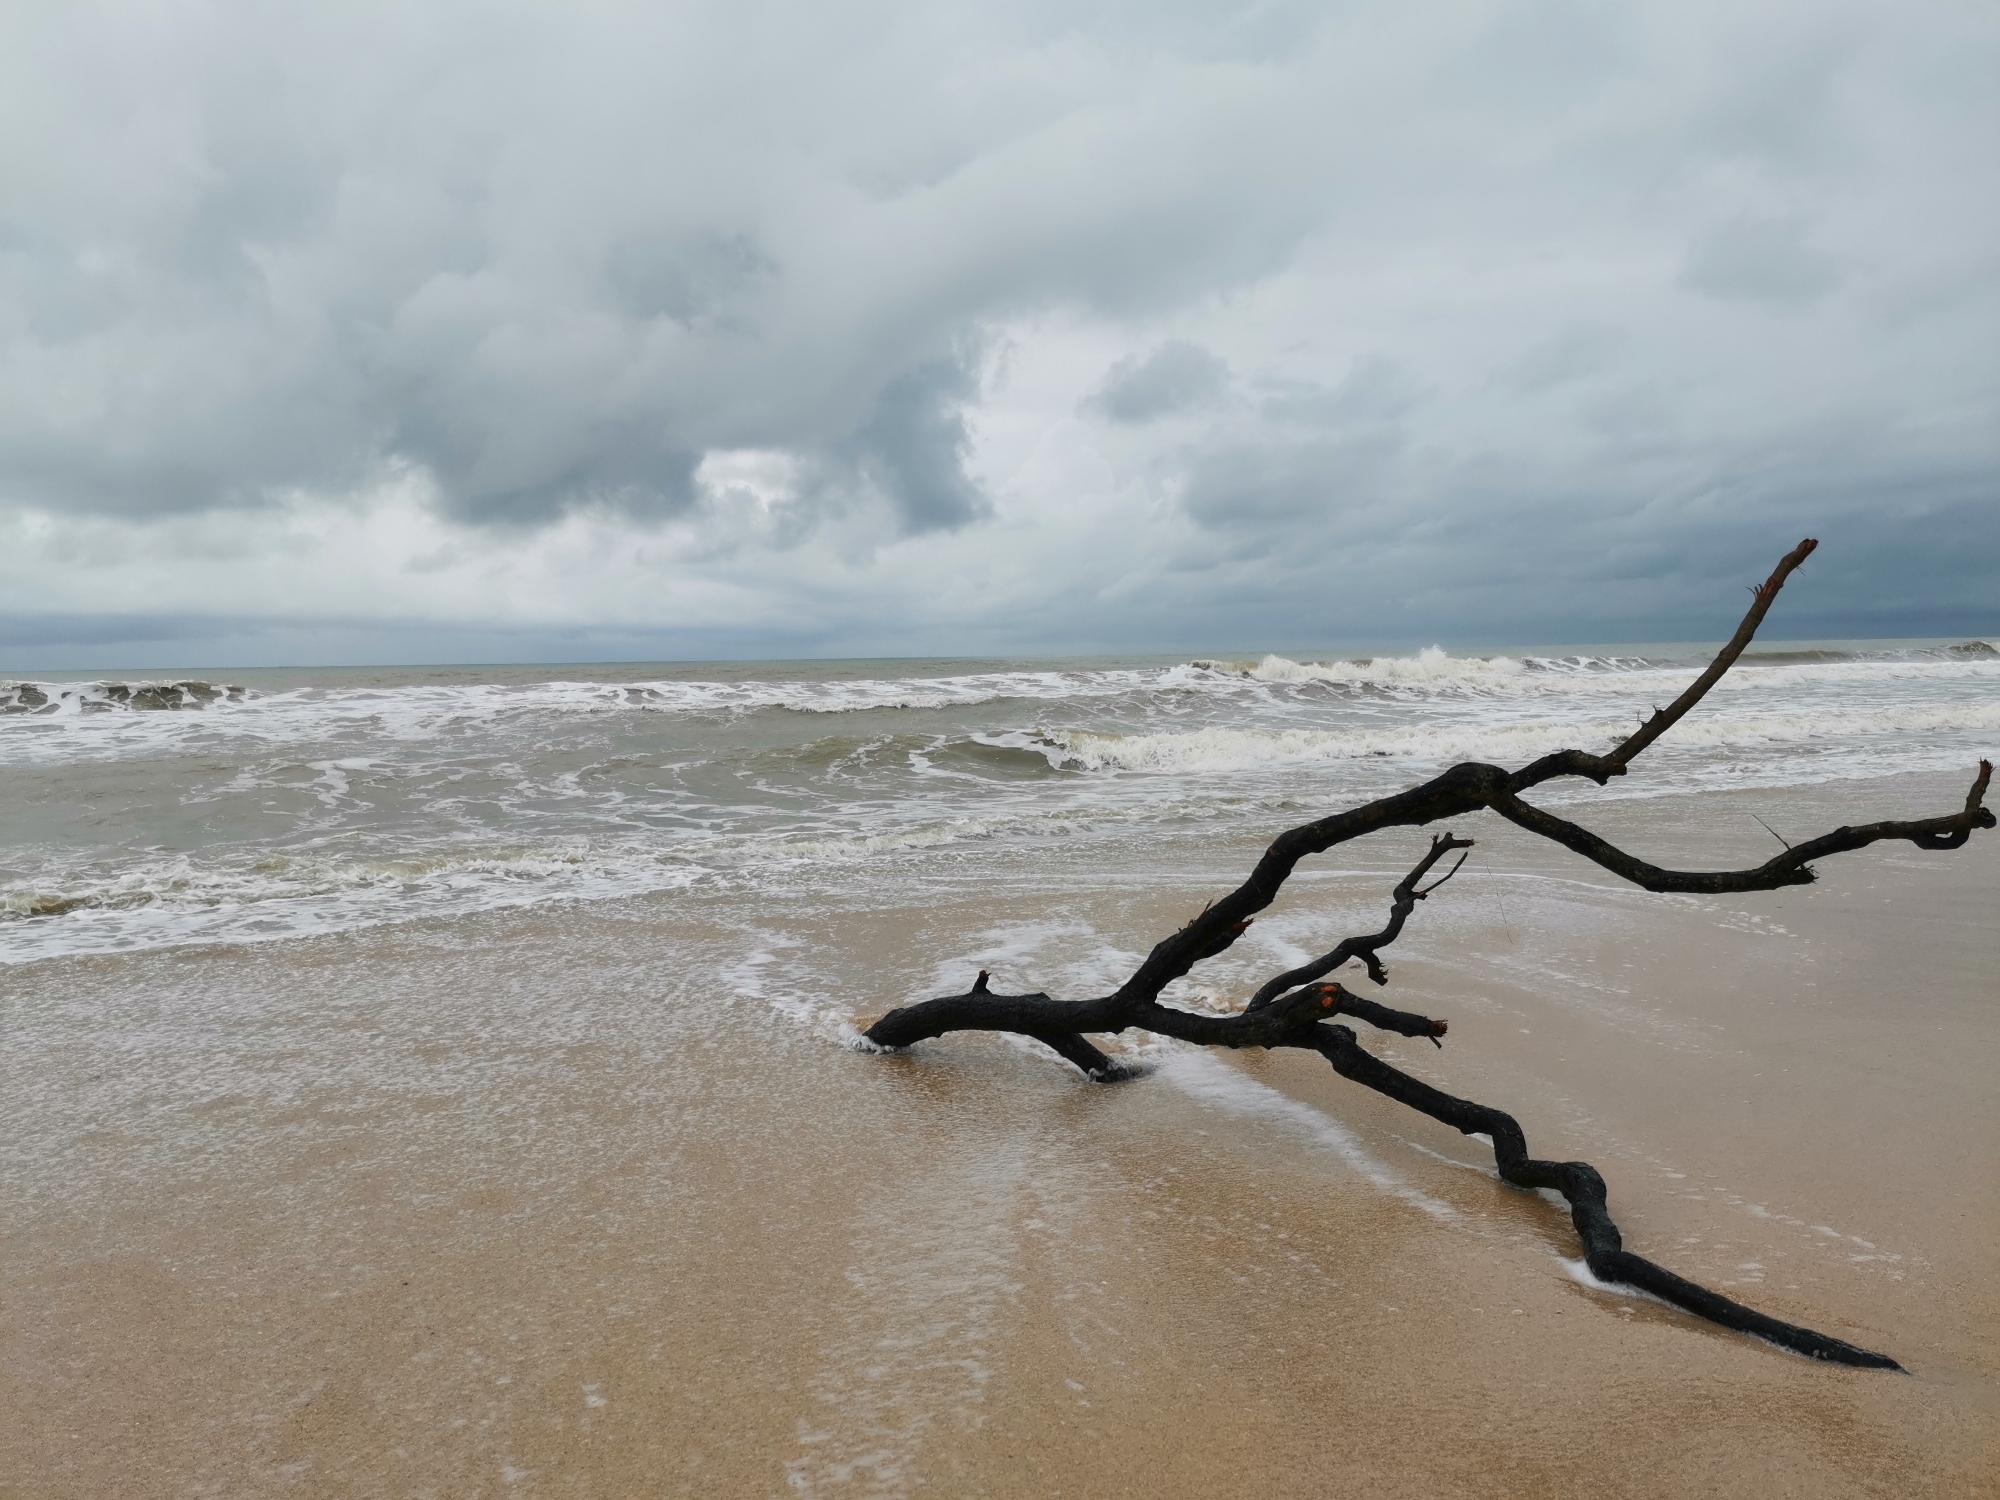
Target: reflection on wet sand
[593,1199]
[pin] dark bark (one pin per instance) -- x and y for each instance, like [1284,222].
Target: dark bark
[1292,1009]
[1579,1182]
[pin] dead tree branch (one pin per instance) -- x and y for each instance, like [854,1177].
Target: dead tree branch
[1403,901]
[1580,1184]
[1292,1009]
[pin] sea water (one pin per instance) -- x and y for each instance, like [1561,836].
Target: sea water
[157,810]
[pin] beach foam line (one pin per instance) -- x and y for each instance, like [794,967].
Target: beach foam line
[1432,666]
[179,901]
[1581,1273]
[1214,1083]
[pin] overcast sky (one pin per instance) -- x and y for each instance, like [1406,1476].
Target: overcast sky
[437,331]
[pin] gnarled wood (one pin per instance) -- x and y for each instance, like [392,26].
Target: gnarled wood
[1296,1009]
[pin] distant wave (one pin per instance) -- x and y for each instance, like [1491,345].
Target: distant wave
[1432,666]
[1432,669]
[1204,701]
[1435,671]
[47,699]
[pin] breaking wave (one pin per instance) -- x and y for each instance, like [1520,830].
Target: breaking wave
[47,699]
[1431,667]
[1221,749]
[214,811]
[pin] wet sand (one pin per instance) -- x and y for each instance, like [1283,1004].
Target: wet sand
[591,1200]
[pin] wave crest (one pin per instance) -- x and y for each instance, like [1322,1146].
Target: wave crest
[1215,749]
[109,697]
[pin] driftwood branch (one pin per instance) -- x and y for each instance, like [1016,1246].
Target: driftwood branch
[1664,719]
[1297,1009]
[1793,867]
[1580,1184]
[1403,901]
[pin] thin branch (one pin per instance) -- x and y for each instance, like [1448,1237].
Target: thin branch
[1793,867]
[1600,768]
[1422,894]
[1773,832]
[1403,901]
[1460,790]
[1665,718]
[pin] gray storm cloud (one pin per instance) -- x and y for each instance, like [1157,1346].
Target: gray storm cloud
[1173,377]
[785,327]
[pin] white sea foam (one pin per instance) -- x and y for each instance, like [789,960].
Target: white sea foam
[211,809]
[1431,667]
[178,900]
[1581,1273]
[43,722]
[1219,1086]
[1503,743]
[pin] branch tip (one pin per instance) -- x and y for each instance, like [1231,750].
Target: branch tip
[1665,719]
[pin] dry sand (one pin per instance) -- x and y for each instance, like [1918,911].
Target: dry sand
[591,1201]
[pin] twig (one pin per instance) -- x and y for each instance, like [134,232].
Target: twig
[1773,832]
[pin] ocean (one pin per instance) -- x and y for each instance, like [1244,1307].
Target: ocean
[163,810]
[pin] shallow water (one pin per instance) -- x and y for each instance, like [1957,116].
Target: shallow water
[597,1197]
[152,813]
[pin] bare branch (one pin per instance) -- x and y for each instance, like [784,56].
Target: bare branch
[1404,901]
[1293,1010]
[1580,1183]
[1773,832]
[1422,894]
[983,1009]
[1382,1018]
[1457,791]
[1296,1021]
[1665,718]
[1793,867]
[1601,767]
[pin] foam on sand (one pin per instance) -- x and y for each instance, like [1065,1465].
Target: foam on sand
[1207,1078]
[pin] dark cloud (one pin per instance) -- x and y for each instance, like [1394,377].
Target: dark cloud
[912,449]
[624,464]
[1172,378]
[1130,309]
[704,281]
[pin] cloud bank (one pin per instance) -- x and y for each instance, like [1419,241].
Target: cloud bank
[767,329]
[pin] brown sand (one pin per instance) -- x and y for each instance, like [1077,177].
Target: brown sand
[554,1204]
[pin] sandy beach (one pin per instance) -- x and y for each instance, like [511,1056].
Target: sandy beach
[594,1199]
[562,567]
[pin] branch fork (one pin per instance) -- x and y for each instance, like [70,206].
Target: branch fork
[1299,1007]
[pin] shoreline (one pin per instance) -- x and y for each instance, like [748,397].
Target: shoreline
[591,1198]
